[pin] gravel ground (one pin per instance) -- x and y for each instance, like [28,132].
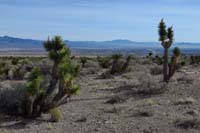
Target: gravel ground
[124,104]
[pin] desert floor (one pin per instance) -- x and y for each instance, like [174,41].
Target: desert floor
[132,102]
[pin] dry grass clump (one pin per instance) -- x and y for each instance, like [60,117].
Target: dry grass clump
[186,80]
[151,87]
[188,100]
[56,114]
[156,70]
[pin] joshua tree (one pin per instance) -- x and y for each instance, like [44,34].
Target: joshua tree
[115,65]
[173,65]
[40,98]
[104,62]
[166,37]
[126,64]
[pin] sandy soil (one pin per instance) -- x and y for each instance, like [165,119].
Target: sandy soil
[125,103]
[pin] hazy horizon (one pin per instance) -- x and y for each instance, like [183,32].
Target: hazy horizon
[94,20]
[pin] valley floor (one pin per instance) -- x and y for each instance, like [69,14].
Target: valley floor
[124,103]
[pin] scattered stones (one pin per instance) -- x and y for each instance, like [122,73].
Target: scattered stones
[188,100]
[192,112]
[193,123]
[83,119]
[143,113]
[115,100]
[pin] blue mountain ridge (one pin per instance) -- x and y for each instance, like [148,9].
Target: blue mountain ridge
[12,42]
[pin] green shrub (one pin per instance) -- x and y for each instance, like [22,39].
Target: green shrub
[104,62]
[15,61]
[56,114]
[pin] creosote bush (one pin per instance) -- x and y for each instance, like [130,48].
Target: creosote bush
[43,94]
[104,62]
[83,61]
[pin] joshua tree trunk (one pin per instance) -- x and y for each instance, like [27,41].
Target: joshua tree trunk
[54,79]
[172,67]
[165,65]
[114,67]
[126,64]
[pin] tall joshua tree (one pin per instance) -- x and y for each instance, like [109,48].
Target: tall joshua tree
[166,37]
[41,98]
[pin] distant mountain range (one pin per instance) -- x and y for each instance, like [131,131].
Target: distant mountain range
[14,43]
[11,45]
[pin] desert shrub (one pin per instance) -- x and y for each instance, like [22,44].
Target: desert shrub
[15,61]
[56,114]
[4,69]
[194,59]
[156,70]
[149,86]
[83,61]
[11,98]
[104,62]
[150,54]
[158,60]
[183,63]
[18,73]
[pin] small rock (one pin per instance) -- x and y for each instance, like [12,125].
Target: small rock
[192,112]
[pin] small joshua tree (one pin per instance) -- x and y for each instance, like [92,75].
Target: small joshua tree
[166,37]
[41,98]
[115,64]
[126,64]
[173,64]
[104,62]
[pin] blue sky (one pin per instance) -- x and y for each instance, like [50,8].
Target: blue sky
[135,20]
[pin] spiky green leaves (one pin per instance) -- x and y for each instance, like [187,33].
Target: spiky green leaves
[170,34]
[165,36]
[68,68]
[34,83]
[56,49]
[54,44]
[162,31]
[116,56]
[75,89]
